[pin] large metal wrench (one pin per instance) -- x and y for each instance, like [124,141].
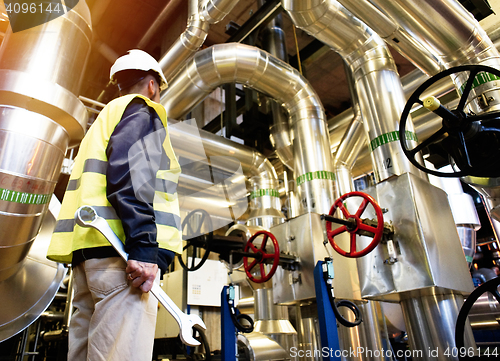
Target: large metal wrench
[86,216]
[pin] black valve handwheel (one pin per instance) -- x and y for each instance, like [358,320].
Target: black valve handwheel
[456,127]
[195,240]
[489,286]
[261,257]
[357,225]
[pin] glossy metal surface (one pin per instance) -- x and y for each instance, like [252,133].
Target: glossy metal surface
[259,347]
[351,144]
[485,314]
[41,69]
[206,159]
[190,41]
[26,294]
[31,155]
[372,66]
[430,321]
[273,41]
[447,29]
[428,250]
[259,70]
[303,238]
[272,320]
[309,337]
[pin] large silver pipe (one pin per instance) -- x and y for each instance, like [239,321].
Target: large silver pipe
[485,313]
[373,68]
[41,71]
[224,156]
[190,41]
[273,41]
[259,70]
[272,320]
[367,334]
[446,28]
[40,116]
[392,32]
[411,81]
[351,145]
[430,321]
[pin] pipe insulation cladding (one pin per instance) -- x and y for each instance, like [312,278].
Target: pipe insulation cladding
[41,72]
[257,69]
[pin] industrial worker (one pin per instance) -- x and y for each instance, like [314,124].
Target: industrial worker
[127,170]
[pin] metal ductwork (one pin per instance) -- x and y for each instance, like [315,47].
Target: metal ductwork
[225,157]
[351,145]
[259,70]
[190,41]
[273,41]
[41,72]
[372,67]
[446,29]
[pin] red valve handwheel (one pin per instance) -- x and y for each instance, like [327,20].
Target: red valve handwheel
[377,231]
[275,256]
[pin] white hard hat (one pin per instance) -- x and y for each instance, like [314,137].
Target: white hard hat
[137,60]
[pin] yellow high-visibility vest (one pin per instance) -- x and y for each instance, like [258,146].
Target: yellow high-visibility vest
[87,186]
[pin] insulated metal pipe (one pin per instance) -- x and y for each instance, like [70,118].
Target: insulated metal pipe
[430,321]
[40,116]
[351,145]
[259,70]
[273,41]
[373,68]
[41,70]
[190,41]
[391,31]
[225,157]
[446,28]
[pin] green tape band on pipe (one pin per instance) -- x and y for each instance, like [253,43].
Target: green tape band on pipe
[320,174]
[390,137]
[480,79]
[264,192]
[22,197]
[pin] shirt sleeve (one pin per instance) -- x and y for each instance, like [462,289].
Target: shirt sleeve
[131,175]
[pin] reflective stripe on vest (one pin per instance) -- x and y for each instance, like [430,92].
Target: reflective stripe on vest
[87,186]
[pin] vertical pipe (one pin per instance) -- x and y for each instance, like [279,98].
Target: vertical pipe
[430,321]
[373,68]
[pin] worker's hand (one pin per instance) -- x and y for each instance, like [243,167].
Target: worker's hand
[142,274]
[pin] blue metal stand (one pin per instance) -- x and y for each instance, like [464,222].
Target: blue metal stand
[326,318]
[228,331]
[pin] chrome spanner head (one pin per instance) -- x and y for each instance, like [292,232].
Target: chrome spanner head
[86,216]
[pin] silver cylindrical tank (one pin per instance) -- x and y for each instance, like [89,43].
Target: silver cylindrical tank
[41,71]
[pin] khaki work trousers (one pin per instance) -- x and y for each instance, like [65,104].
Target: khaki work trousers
[113,320]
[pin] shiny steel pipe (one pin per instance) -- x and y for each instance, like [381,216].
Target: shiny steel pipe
[485,313]
[190,41]
[444,27]
[36,73]
[41,71]
[392,32]
[463,210]
[259,70]
[227,157]
[372,66]
[274,42]
[351,145]
[430,322]
[272,320]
